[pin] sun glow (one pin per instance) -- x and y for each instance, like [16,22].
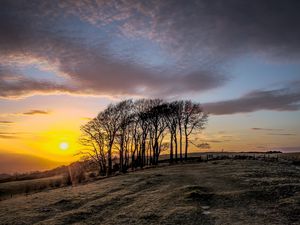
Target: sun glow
[63,146]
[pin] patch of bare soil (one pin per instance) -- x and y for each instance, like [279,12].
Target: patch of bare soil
[221,192]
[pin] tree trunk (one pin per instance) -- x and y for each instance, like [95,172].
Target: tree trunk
[121,161]
[176,148]
[186,146]
[121,155]
[180,141]
[143,149]
[132,160]
[109,168]
[171,149]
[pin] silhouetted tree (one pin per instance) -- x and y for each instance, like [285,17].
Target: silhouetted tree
[158,124]
[193,119]
[125,112]
[137,130]
[93,139]
[109,119]
[178,108]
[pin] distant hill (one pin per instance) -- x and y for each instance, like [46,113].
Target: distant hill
[11,163]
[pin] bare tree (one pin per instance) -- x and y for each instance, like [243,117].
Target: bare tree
[178,108]
[158,124]
[193,119]
[110,121]
[142,111]
[124,110]
[138,131]
[172,124]
[93,138]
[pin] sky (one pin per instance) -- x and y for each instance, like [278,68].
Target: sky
[61,62]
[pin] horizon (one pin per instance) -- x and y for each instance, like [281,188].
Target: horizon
[64,62]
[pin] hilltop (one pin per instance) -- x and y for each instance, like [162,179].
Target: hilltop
[216,192]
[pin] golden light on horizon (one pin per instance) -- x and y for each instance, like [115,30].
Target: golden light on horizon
[64,146]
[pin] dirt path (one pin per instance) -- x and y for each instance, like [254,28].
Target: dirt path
[220,192]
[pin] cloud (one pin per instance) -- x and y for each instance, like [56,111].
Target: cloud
[6,122]
[87,62]
[36,112]
[14,85]
[265,129]
[278,100]
[272,129]
[213,26]
[221,28]
[104,47]
[217,141]
[8,135]
[282,134]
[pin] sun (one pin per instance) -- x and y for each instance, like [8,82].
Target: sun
[63,145]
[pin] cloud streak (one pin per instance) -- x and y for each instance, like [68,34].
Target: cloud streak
[6,122]
[265,129]
[282,134]
[8,135]
[36,112]
[278,100]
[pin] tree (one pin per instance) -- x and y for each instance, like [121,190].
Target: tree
[193,119]
[158,124]
[93,138]
[124,110]
[179,119]
[110,121]
[139,131]
[172,124]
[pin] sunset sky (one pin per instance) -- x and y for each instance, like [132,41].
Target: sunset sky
[61,62]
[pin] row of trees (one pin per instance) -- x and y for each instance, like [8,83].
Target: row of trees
[138,131]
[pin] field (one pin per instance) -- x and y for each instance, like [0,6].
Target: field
[16,188]
[216,192]
[292,157]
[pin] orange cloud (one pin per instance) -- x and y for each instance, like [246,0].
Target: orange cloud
[35,112]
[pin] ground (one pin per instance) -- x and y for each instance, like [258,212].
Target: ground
[216,192]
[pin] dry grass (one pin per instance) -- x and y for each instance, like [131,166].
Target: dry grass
[222,192]
[293,157]
[11,189]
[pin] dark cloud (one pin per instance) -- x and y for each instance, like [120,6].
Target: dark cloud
[36,112]
[229,27]
[279,100]
[25,87]
[210,26]
[34,30]
[199,35]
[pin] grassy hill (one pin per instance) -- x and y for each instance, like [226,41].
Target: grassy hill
[216,192]
[10,163]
